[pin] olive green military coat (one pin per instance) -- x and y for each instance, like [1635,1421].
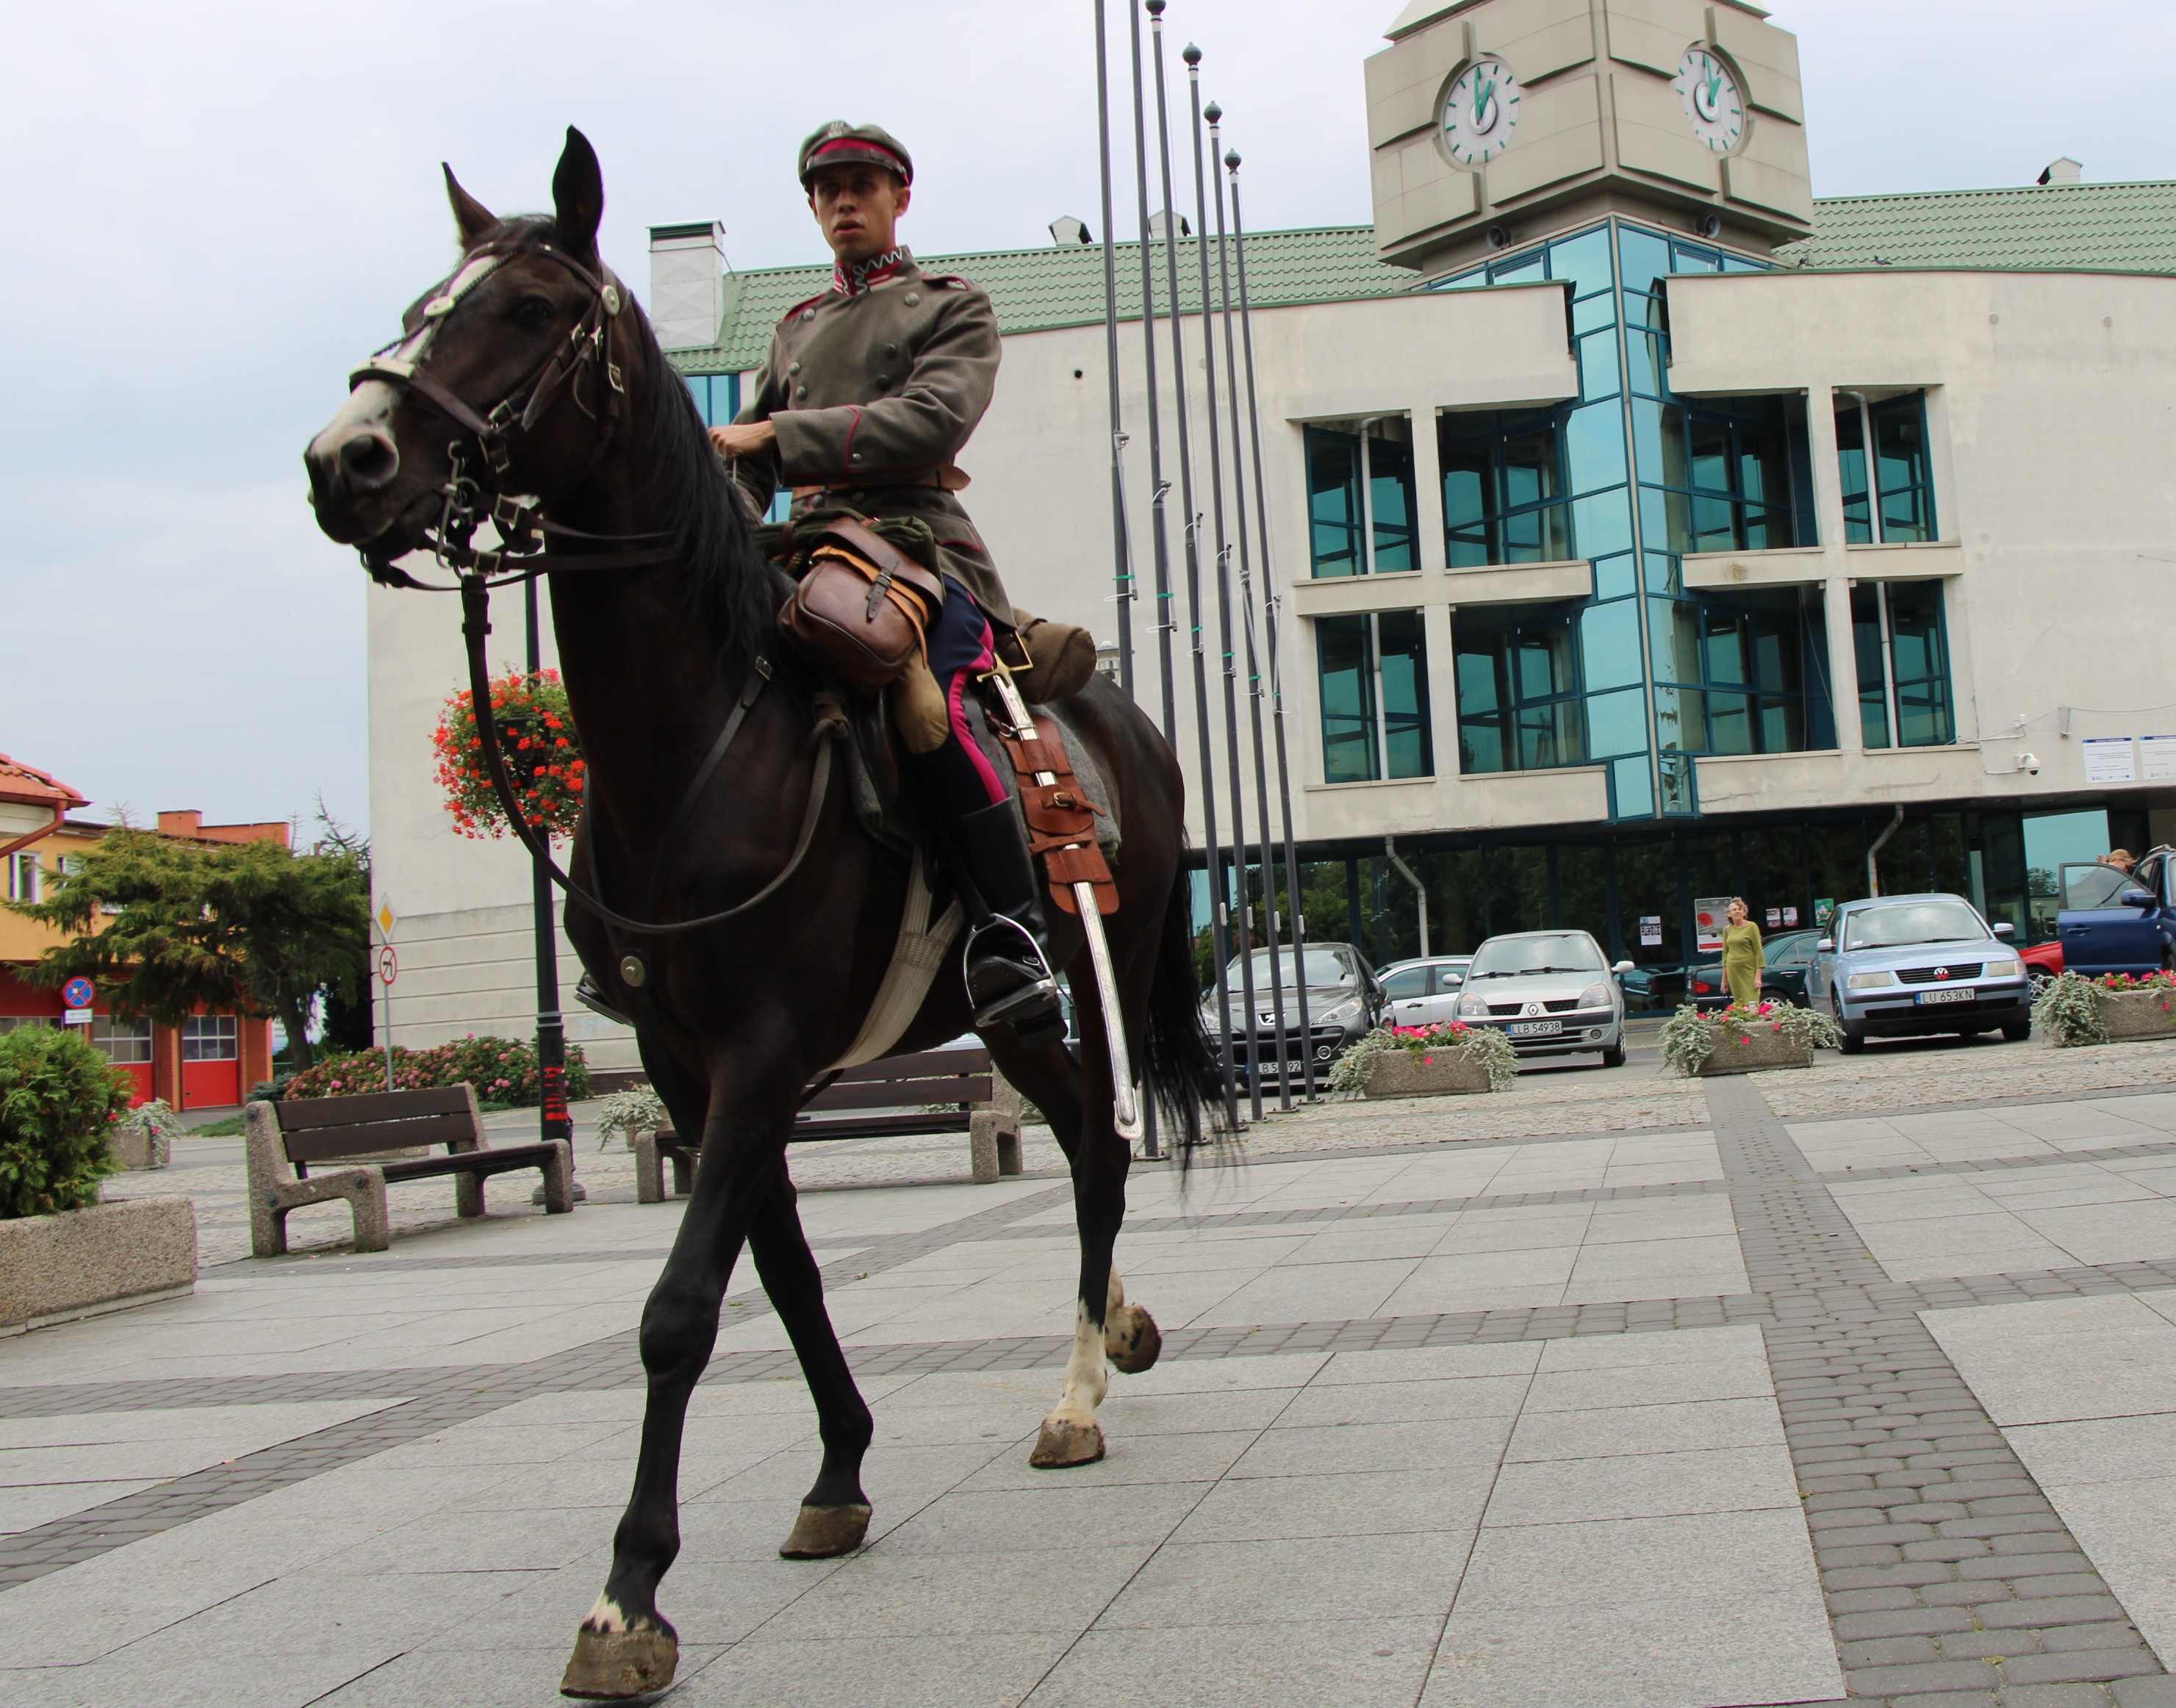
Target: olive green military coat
[869,389]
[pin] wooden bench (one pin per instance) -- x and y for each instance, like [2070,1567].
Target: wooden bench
[380,1136]
[901,1089]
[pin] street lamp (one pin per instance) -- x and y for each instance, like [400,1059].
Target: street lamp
[553,1120]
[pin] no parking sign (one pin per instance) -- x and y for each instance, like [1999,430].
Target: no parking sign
[76,997]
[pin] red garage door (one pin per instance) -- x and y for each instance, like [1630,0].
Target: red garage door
[211,1062]
[127,1046]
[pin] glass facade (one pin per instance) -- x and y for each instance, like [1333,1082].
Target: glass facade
[1902,504]
[1360,498]
[1901,645]
[717,396]
[1374,697]
[1645,674]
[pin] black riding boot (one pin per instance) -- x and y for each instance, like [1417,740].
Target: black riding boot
[1009,976]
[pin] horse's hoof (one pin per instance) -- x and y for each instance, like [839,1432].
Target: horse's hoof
[826,1532]
[1132,1346]
[1062,1443]
[611,1666]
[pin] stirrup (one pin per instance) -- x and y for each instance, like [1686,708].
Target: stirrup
[1039,992]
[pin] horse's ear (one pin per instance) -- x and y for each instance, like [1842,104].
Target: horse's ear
[471,215]
[577,192]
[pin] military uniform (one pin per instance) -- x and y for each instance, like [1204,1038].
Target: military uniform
[872,387]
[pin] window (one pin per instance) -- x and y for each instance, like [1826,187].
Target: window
[1406,983]
[1518,673]
[210,1038]
[1504,489]
[25,877]
[1742,672]
[1360,498]
[717,396]
[1735,472]
[1901,507]
[1902,651]
[1374,697]
[124,1041]
[8,1023]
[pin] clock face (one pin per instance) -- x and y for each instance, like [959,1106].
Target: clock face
[1479,111]
[1711,98]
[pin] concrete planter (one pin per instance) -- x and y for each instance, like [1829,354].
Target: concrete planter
[1447,1073]
[134,1148]
[2137,1013]
[83,1261]
[1763,1048]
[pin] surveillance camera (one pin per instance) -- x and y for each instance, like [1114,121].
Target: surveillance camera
[2029,763]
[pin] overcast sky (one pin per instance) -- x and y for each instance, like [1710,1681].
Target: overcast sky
[214,209]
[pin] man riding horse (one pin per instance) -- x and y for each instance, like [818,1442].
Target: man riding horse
[870,391]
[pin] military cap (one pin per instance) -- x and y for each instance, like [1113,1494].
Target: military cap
[838,143]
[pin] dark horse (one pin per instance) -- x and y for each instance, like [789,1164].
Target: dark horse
[530,371]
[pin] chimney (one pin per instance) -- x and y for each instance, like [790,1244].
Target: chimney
[1065,231]
[1159,224]
[2063,170]
[687,284]
[185,823]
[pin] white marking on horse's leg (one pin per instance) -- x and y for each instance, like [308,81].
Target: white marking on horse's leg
[605,1616]
[1087,1373]
[1115,1300]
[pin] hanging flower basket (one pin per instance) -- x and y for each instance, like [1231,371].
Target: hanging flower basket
[543,757]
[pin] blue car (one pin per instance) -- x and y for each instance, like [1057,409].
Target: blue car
[2113,921]
[1898,966]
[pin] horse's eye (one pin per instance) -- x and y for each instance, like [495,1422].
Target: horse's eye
[532,313]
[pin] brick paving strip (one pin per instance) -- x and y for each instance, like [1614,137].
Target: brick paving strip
[1950,1580]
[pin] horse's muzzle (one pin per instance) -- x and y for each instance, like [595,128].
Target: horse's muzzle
[353,464]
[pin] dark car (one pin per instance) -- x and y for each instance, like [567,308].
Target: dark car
[1789,954]
[1345,1002]
[2113,921]
[1654,989]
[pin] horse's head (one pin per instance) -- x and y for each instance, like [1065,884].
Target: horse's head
[507,375]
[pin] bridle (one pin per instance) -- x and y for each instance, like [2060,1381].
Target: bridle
[524,554]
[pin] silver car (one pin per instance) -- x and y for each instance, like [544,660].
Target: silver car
[1552,992]
[1896,967]
[1424,991]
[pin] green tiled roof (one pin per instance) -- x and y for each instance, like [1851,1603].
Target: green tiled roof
[2117,227]
[1038,290]
[2128,228]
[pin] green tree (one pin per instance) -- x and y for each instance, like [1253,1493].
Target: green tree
[166,926]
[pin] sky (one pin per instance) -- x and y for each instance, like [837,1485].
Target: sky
[215,209]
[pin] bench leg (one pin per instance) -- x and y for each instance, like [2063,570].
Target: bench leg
[373,1221]
[468,1196]
[267,1227]
[649,1171]
[1008,1152]
[982,1160]
[684,1174]
[559,1179]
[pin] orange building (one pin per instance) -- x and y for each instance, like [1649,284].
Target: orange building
[211,1059]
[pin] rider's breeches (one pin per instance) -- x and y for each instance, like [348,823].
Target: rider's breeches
[930,708]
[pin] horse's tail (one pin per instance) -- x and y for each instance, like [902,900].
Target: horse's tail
[1185,1076]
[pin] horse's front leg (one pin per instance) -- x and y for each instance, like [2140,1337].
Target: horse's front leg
[835,1514]
[625,1647]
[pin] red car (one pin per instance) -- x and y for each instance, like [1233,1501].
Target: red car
[2044,964]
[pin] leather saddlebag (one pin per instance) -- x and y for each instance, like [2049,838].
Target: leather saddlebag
[862,609]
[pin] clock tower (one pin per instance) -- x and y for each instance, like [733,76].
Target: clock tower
[1492,122]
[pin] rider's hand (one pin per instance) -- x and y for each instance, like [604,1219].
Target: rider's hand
[750,439]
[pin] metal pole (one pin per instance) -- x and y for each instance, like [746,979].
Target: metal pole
[1271,601]
[1213,853]
[388,989]
[1166,622]
[1269,933]
[1124,571]
[1243,945]
[552,1120]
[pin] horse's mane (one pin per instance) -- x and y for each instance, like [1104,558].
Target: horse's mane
[729,583]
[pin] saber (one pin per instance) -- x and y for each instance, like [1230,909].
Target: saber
[1125,1100]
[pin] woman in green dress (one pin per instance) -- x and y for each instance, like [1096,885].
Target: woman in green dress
[1741,956]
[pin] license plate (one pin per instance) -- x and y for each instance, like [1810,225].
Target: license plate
[1535,1028]
[1963,993]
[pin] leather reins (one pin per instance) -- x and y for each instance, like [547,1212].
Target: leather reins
[524,555]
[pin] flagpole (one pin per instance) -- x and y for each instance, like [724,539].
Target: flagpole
[1272,600]
[1243,945]
[1124,571]
[1213,851]
[1166,622]
[1269,933]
